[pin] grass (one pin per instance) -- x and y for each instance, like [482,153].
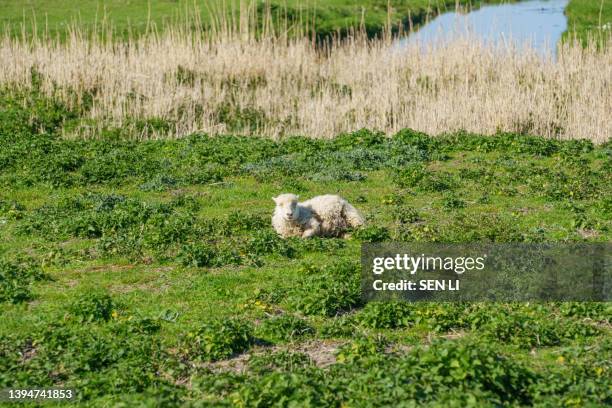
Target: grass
[134,17]
[228,81]
[146,270]
[130,17]
[589,18]
[137,261]
[223,81]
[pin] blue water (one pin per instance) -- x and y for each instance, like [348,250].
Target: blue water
[535,23]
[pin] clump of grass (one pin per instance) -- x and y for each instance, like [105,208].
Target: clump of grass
[328,291]
[219,339]
[279,361]
[372,233]
[379,315]
[93,306]
[11,209]
[452,202]
[362,348]
[16,279]
[341,326]
[201,255]
[268,242]
[524,327]
[284,328]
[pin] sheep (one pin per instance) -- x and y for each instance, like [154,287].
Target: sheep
[325,215]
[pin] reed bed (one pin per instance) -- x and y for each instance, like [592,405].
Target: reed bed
[233,80]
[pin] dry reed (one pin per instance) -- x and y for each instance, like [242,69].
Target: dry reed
[227,80]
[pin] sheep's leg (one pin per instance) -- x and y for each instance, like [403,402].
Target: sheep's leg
[313,229]
[311,232]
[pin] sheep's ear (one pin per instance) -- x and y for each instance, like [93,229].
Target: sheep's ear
[274,199]
[297,197]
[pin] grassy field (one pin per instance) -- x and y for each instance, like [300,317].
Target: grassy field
[137,15]
[138,265]
[125,16]
[589,18]
[147,273]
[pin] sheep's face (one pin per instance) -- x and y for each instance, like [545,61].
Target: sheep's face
[286,206]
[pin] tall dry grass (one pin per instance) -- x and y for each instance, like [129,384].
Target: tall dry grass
[227,80]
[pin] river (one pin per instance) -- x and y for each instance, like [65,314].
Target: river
[538,24]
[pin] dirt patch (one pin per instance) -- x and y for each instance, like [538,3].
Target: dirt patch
[237,364]
[601,324]
[112,268]
[71,283]
[587,233]
[398,349]
[321,352]
[454,335]
[28,352]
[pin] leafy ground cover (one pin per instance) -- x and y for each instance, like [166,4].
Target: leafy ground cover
[147,273]
[328,16]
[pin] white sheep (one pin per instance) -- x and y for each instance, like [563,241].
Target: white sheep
[326,215]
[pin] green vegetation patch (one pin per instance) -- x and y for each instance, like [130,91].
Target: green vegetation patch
[16,279]
[148,273]
[136,17]
[219,339]
[589,19]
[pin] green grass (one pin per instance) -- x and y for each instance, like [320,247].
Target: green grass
[584,16]
[136,16]
[588,18]
[130,269]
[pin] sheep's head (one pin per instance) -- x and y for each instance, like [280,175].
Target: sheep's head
[286,205]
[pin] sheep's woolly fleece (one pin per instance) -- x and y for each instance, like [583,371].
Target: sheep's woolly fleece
[326,215]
